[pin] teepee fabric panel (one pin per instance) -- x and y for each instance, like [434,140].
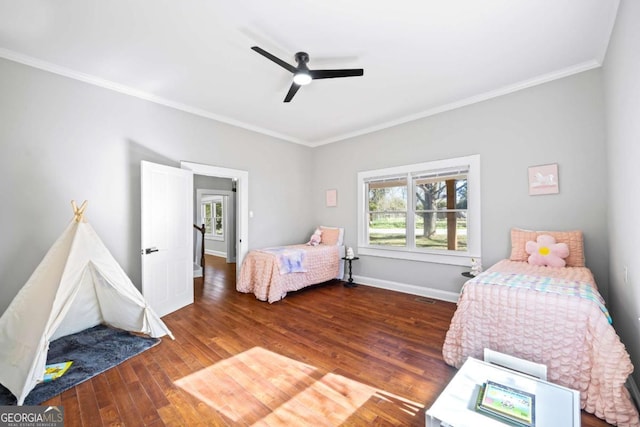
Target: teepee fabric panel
[83,311]
[24,323]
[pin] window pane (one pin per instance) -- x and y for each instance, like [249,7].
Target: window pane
[388,228]
[461,194]
[206,217]
[388,212]
[441,230]
[432,194]
[388,196]
[218,207]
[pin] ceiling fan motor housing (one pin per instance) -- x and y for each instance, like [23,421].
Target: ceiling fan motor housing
[302,58]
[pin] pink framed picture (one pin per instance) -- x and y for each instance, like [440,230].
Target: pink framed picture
[543,179]
[331,198]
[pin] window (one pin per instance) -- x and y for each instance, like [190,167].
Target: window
[425,212]
[212,216]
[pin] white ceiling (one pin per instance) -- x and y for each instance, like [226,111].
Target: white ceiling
[420,57]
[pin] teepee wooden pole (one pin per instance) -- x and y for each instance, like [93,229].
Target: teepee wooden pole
[78,212]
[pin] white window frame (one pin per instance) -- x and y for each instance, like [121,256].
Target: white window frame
[213,200]
[474,243]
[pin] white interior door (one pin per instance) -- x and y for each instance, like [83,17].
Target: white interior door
[167,236]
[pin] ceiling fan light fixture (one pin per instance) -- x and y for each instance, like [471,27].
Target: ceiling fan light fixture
[302,75]
[301,78]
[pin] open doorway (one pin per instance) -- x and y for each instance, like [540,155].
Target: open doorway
[240,179]
[214,219]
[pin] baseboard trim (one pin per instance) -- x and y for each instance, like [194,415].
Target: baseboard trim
[407,289]
[633,390]
[197,271]
[215,253]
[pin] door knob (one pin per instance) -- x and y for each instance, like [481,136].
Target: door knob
[150,250]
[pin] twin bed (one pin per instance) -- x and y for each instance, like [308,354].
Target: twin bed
[553,316]
[273,272]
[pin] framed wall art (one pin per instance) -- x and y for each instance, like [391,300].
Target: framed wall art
[543,179]
[331,198]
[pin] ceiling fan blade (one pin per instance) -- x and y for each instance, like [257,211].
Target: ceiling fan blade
[292,91]
[330,74]
[275,59]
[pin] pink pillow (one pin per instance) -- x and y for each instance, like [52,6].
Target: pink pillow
[573,239]
[330,236]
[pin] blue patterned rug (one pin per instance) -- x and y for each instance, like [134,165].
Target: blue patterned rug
[92,351]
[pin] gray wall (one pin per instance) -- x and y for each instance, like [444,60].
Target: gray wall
[560,122]
[62,139]
[622,100]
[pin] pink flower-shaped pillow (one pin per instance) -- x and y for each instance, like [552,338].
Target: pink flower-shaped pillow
[545,251]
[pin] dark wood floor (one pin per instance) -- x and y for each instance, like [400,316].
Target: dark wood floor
[328,355]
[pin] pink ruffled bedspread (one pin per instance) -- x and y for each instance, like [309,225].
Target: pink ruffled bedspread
[569,334]
[260,272]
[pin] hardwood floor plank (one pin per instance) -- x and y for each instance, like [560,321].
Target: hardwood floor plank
[71,404]
[326,355]
[108,415]
[126,408]
[102,391]
[171,417]
[127,373]
[151,388]
[87,403]
[144,405]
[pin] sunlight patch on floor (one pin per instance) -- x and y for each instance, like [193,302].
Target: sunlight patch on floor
[260,387]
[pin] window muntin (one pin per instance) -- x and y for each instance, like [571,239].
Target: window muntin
[445,193]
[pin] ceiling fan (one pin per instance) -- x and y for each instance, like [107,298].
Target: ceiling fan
[302,75]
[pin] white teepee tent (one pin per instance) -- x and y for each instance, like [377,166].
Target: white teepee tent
[77,285]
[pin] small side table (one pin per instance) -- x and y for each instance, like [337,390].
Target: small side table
[554,406]
[350,283]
